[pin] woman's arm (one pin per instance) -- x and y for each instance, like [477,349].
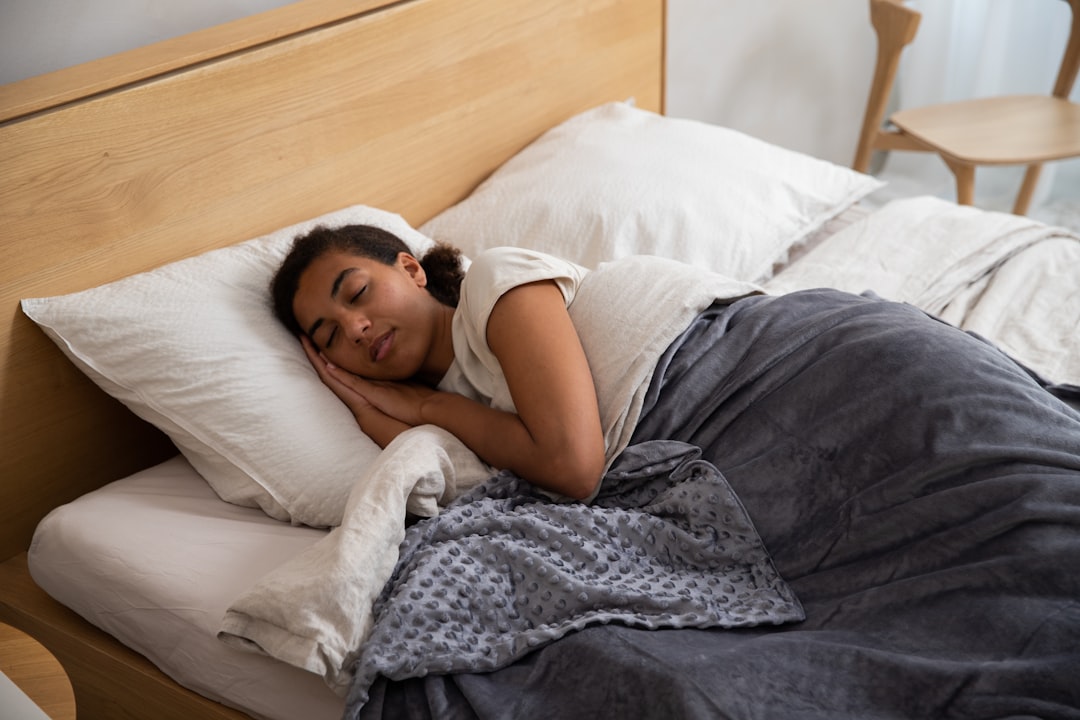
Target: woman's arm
[555,440]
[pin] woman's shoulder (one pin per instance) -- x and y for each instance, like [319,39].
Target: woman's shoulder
[509,258]
[499,269]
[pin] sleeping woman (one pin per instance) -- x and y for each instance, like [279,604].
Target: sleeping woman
[913,484]
[543,368]
[378,325]
[496,359]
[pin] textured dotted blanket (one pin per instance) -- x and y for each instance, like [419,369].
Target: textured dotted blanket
[504,570]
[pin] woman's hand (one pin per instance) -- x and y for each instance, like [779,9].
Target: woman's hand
[354,391]
[401,400]
[340,381]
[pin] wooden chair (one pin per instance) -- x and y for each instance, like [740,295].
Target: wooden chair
[1003,130]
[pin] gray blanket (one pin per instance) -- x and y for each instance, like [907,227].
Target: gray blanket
[504,570]
[918,490]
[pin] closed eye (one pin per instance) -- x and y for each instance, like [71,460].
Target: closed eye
[358,294]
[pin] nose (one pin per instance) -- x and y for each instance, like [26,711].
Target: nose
[355,325]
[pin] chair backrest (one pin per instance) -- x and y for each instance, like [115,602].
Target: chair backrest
[895,25]
[1070,63]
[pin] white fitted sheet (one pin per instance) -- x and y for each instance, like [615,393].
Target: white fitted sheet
[154,560]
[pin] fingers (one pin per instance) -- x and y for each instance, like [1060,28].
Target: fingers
[314,355]
[316,358]
[320,362]
[397,400]
[338,380]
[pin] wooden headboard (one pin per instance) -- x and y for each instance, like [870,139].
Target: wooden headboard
[156,154]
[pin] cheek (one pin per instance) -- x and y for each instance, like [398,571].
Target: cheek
[347,357]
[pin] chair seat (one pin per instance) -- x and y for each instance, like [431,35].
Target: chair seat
[1006,130]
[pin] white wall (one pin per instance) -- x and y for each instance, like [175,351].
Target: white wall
[39,36]
[792,72]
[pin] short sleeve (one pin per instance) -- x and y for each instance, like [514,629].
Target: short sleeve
[491,275]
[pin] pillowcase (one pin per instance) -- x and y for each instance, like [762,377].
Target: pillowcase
[194,348]
[618,180]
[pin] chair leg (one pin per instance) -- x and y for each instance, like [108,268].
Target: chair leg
[965,181]
[895,26]
[865,149]
[1027,189]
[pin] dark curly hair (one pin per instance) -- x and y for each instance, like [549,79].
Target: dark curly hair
[442,264]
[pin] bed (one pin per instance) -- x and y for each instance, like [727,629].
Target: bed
[167,181]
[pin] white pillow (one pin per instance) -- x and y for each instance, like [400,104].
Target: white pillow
[618,180]
[194,348]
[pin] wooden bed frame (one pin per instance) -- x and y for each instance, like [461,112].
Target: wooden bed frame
[146,157]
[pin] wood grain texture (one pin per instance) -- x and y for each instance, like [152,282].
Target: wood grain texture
[79,82]
[407,108]
[1001,130]
[162,153]
[997,130]
[36,672]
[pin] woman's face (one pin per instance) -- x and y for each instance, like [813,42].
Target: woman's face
[374,320]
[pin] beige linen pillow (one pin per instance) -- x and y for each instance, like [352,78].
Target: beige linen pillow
[617,180]
[193,347]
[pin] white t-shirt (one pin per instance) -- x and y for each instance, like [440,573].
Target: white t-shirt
[626,312]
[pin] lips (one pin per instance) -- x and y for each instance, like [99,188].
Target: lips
[381,346]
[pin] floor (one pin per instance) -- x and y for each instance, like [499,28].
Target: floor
[1065,213]
[1057,202]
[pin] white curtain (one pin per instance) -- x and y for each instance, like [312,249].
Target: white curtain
[974,48]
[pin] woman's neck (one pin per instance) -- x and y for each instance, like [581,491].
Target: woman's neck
[441,354]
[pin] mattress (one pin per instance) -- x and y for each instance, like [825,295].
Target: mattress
[155,559]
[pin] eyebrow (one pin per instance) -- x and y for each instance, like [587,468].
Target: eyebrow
[340,279]
[334,289]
